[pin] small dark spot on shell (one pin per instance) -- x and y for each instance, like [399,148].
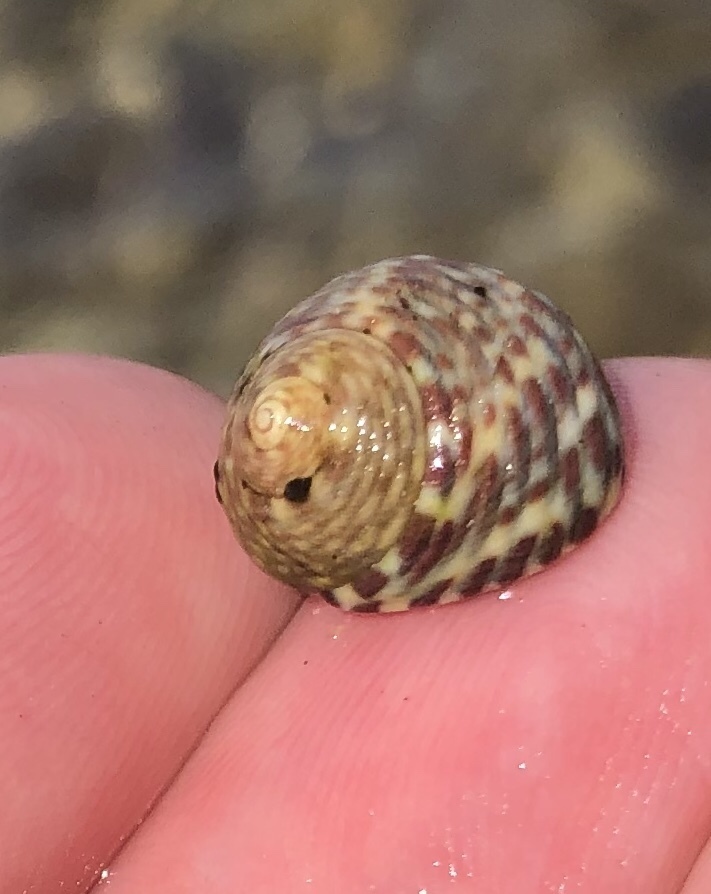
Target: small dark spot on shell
[595,441]
[415,539]
[539,490]
[244,484]
[480,290]
[584,377]
[436,548]
[512,565]
[562,385]
[584,524]
[485,334]
[366,331]
[508,514]
[516,346]
[516,432]
[570,468]
[436,402]
[405,346]
[479,577]
[404,303]
[552,544]
[327,399]
[431,597]
[297,490]
[369,583]
[365,608]
[533,393]
[328,596]
[503,370]
[531,327]
[444,361]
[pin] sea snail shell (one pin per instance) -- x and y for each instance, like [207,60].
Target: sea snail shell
[416,432]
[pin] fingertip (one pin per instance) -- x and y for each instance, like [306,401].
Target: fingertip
[581,694]
[129,612]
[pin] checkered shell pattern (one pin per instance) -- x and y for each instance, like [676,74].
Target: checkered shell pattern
[418,432]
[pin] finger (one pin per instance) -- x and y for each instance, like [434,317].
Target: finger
[554,740]
[127,613]
[699,880]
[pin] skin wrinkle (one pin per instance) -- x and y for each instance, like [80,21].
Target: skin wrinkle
[361,753]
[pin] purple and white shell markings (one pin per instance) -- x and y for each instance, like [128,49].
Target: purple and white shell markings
[417,432]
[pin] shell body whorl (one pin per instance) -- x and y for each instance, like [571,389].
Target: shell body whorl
[416,432]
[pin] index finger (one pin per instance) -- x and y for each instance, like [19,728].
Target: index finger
[555,740]
[127,612]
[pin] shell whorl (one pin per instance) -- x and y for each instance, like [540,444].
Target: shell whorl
[326,489]
[416,432]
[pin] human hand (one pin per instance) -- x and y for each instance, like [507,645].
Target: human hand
[557,740]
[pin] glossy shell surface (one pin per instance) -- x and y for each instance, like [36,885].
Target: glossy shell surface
[418,432]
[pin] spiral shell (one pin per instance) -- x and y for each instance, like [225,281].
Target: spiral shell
[415,433]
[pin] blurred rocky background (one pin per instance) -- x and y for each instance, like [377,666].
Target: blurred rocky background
[174,175]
